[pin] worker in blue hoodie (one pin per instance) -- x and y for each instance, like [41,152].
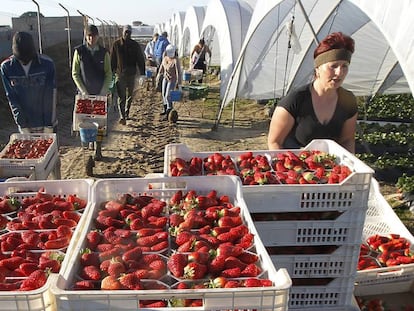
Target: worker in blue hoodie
[30,84]
[159,48]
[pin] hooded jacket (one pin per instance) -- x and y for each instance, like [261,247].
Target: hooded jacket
[31,97]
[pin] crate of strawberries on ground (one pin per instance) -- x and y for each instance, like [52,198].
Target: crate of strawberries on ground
[386,260]
[93,108]
[29,153]
[170,243]
[39,227]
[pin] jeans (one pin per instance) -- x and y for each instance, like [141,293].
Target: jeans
[167,86]
[125,89]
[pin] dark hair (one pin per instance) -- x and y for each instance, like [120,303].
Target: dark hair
[335,40]
[201,41]
[92,29]
[23,46]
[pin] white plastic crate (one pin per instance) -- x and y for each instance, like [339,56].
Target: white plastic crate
[381,219]
[78,118]
[336,295]
[41,298]
[351,193]
[340,263]
[345,230]
[263,298]
[32,168]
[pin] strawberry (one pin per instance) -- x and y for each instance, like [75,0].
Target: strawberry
[218,282]
[116,267]
[12,263]
[176,198]
[227,250]
[159,246]
[34,281]
[5,286]
[175,219]
[251,270]
[194,270]
[110,283]
[130,281]
[8,205]
[228,221]
[248,257]
[84,285]
[232,284]
[71,215]
[89,258]
[50,264]
[176,263]
[252,282]
[57,243]
[28,267]
[231,272]
[90,273]
[93,238]
[200,257]
[153,304]
[65,230]
[3,222]
[132,254]
[233,262]
[216,265]
[183,237]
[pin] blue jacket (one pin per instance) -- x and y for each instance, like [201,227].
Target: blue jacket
[31,98]
[160,46]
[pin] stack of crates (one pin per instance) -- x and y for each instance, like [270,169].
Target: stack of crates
[312,230]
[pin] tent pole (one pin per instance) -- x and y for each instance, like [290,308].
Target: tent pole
[233,113]
[308,21]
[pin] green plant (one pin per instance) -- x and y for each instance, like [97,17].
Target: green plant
[405,184]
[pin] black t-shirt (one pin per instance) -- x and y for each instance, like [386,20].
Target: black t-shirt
[307,126]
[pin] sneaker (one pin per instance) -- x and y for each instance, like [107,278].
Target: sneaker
[122,121]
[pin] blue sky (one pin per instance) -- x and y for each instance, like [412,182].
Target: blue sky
[119,11]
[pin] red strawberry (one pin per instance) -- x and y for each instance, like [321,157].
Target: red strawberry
[248,257]
[216,265]
[252,282]
[93,238]
[251,270]
[132,254]
[200,257]
[116,267]
[28,267]
[57,243]
[35,280]
[227,250]
[89,258]
[84,285]
[194,270]
[12,263]
[176,263]
[231,273]
[183,237]
[131,281]
[90,273]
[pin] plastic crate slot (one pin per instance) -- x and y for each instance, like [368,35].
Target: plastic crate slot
[288,216]
[303,250]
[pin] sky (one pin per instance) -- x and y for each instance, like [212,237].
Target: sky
[121,12]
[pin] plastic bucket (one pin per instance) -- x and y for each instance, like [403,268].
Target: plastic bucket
[175,96]
[88,131]
[148,73]
[187,76]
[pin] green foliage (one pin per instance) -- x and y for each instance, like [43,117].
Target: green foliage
[396,107]
[405,183]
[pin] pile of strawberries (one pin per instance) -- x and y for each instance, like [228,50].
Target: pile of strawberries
[188,240]
[384,251]
[36,232]
[27,148]
[287,167]
[88,106]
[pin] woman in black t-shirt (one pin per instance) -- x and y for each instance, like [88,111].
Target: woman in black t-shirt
[321,109]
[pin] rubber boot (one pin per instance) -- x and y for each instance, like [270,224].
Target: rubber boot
[89,166]
[98,151]
[165,111]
